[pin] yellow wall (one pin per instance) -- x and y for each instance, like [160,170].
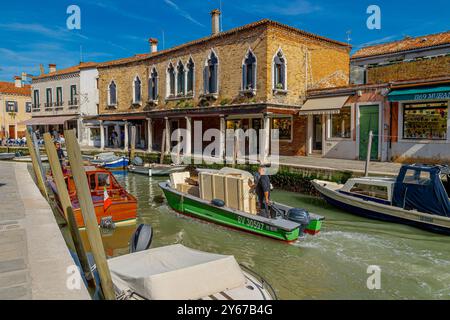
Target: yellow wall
[7,119]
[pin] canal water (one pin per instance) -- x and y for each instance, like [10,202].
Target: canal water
[332,265]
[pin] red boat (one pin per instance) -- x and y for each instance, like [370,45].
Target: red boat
[120,207]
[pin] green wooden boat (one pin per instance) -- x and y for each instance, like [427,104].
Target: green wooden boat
[278,228]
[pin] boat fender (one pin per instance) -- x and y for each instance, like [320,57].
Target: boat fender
[142,238]
[300,216]
[218,203]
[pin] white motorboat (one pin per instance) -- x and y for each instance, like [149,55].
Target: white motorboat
[180,273]
[419,197]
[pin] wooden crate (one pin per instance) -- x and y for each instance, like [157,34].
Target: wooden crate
[189,189]
[219,186]
[206,186]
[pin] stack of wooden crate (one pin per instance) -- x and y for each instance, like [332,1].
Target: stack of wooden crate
[233,189]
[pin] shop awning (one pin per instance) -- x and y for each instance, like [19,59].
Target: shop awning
[327,105]
[419,94]
[41,121]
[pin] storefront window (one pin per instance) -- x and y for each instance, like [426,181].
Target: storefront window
[284,126]
[425,121]
[341,124]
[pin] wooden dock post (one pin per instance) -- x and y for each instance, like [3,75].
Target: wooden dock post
[369,154]
[36,168]
[66,204]
[88,212]
[163,147]
[133,142]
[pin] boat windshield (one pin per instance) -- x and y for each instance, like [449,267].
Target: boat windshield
[446,182]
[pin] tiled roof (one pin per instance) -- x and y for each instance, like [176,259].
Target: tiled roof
[264,22]
[67,70]
[10,88]
[407,44]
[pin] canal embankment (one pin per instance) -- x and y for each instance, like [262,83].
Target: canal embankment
[35,261]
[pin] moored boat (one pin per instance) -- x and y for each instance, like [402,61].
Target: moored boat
[121,206]
[109,160]
[7,156]
[180,273]
[418,197]
[156,170]
[287,224]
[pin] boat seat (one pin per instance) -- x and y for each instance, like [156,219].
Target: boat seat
[177,178]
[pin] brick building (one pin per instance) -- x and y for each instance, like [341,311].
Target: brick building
[407,59]
[402,95]
[15,102]
[254,76]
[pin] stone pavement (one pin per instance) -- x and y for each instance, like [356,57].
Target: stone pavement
[33,254]
[355,166]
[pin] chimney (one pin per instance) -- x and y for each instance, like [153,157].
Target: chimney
[153,45]
[51,68]
[18,82]
[41,69]
[215,14]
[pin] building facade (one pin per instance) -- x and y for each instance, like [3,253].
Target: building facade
[62,97]
[15,101]
[255,76]
[408,59]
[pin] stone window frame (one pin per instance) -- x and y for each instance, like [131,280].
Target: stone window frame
[169,94]
[135,101]
[206,64]
[244,73]
[73,96]
[329,125]
[47,104]
[36,104]
[61,100]
[151,97]
[184,80]
[109,93]
[279,116]
[274,88]
[188,62]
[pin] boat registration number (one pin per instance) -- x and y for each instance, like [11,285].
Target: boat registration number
[251,223]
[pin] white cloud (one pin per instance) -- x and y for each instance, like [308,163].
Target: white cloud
[286,8]
[183,13]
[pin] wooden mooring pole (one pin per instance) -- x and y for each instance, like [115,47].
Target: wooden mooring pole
[88,212]
[133,143]
[163,147]
[37,170]
[66,204]
[369,153]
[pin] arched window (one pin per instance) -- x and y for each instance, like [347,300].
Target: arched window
[249,72]
[210,74]
[153,85]
[181,76]
[137,90]
[190,77]
[279,71]
[112,94]
[171,80]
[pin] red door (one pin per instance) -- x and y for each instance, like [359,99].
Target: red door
[12,132]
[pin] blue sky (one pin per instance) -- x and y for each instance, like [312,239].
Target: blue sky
[34,32]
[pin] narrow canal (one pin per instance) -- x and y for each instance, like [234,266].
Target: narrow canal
[333,265]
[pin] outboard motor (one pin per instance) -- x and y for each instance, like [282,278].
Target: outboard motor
[300,216]
[137,161]
[141,239]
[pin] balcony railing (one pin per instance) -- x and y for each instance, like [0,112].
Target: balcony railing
[73,104]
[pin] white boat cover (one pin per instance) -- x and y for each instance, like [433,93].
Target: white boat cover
[175,273]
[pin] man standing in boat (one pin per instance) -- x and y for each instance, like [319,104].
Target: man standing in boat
[262,189]
[60,153]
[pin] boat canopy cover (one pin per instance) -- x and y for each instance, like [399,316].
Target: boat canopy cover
[420,188]
[175,273]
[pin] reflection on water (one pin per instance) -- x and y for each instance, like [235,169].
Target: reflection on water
[332,265]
